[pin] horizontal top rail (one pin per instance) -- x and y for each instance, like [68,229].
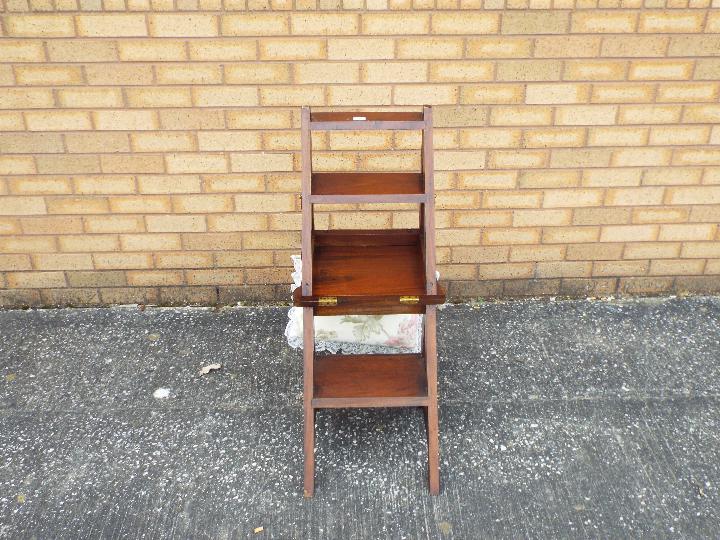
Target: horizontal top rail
[366,120]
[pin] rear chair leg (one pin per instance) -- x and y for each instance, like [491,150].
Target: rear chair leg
[309,440]
[430,349]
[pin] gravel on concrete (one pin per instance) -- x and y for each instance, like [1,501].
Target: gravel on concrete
[569,419]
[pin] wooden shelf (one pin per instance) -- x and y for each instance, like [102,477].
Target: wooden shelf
[366,120]
[370,380]
[367,188]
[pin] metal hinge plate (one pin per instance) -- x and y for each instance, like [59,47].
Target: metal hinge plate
[409,299]
[327,300]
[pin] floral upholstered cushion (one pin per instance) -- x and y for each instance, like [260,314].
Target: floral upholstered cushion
[355,333]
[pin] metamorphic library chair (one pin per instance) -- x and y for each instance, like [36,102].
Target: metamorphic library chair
[369,272]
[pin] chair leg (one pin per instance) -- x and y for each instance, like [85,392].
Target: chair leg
[430,344]
[309,412]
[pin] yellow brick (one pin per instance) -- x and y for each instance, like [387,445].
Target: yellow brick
[63,261]
[457,237]
[293,49]
[132,164]
[39,25]
[580,157]
[94,242]
[512,199]
[25,98]
[90,97]
[21,51]
[632,45]
[570,198]
[702,113]
[694,195]
[492,93]
[158,97]
[154,278]
[188,74]
[611,22]
[511,236]
[173,223]
[360,49]
[534,22]
[361,220]
[320,72]
[562,137]
[483,218]
[215,277]
[628,157]
[676,267]
[11,121]
[617,136]
[149,50]
[458,160]
[11,206]
[150,242]
[183,25]
[651,250]
[520,159]
[634,196]
[649,70]
[566,235]
[109,141]
[541,218]
[81,50]
[201,204]
[35,280]
[330,24]
[591,115]
[119,261]
[14,262]
[125,120]
[620,268]
[228,140]
[40,185]
[677,135]
[498,47]
[423,48]
[595,70]
[184,260]
[465,22]
[237,222]
[202,163]
[6,75]
[258,162]
[115,25]
[687,92]
[69,164]
[670,21]
[259,119]
[594,252]
[386,72]
[506,271]
[77,205]
[166,141]
[114,224]
[628,233]
[607,177]
[225,96]
[357,95]
[395,23]
[660,215]
[422,94]
[697,45]
[548,179]
[58,121]
[257,72]
[707,69]
[563,269]
[245,259]
[102,185]
[255,24]
[271,240]
[649,114]
[222,50]
[709,156]
[17,165]
[144,204]
[521,116]
[166,184]
[682,232]
[461,71]
[27,244]
[490,138]
[50,225]
[622,93]
[699,250]
[556,93]
[360,140]
[118,74]
[671,176]
[529,70]
[566,46]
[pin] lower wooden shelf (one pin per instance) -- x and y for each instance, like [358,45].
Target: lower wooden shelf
[369,380]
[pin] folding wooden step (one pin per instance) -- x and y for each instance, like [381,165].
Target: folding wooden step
[344,188]
[329,121]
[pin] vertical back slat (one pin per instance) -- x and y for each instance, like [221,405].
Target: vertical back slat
[429,209]
[307,217]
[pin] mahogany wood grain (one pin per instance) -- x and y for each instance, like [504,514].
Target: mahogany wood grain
[308,391]
[370,116]
[307,212]
[370,376]
[430,353]
[367,187]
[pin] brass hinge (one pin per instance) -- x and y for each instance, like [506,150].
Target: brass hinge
[327,300]
[409,299]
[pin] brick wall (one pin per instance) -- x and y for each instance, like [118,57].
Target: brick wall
[149,148]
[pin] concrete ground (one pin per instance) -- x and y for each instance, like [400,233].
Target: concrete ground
[572,419]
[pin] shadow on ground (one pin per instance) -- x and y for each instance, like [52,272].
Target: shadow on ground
[563,419]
